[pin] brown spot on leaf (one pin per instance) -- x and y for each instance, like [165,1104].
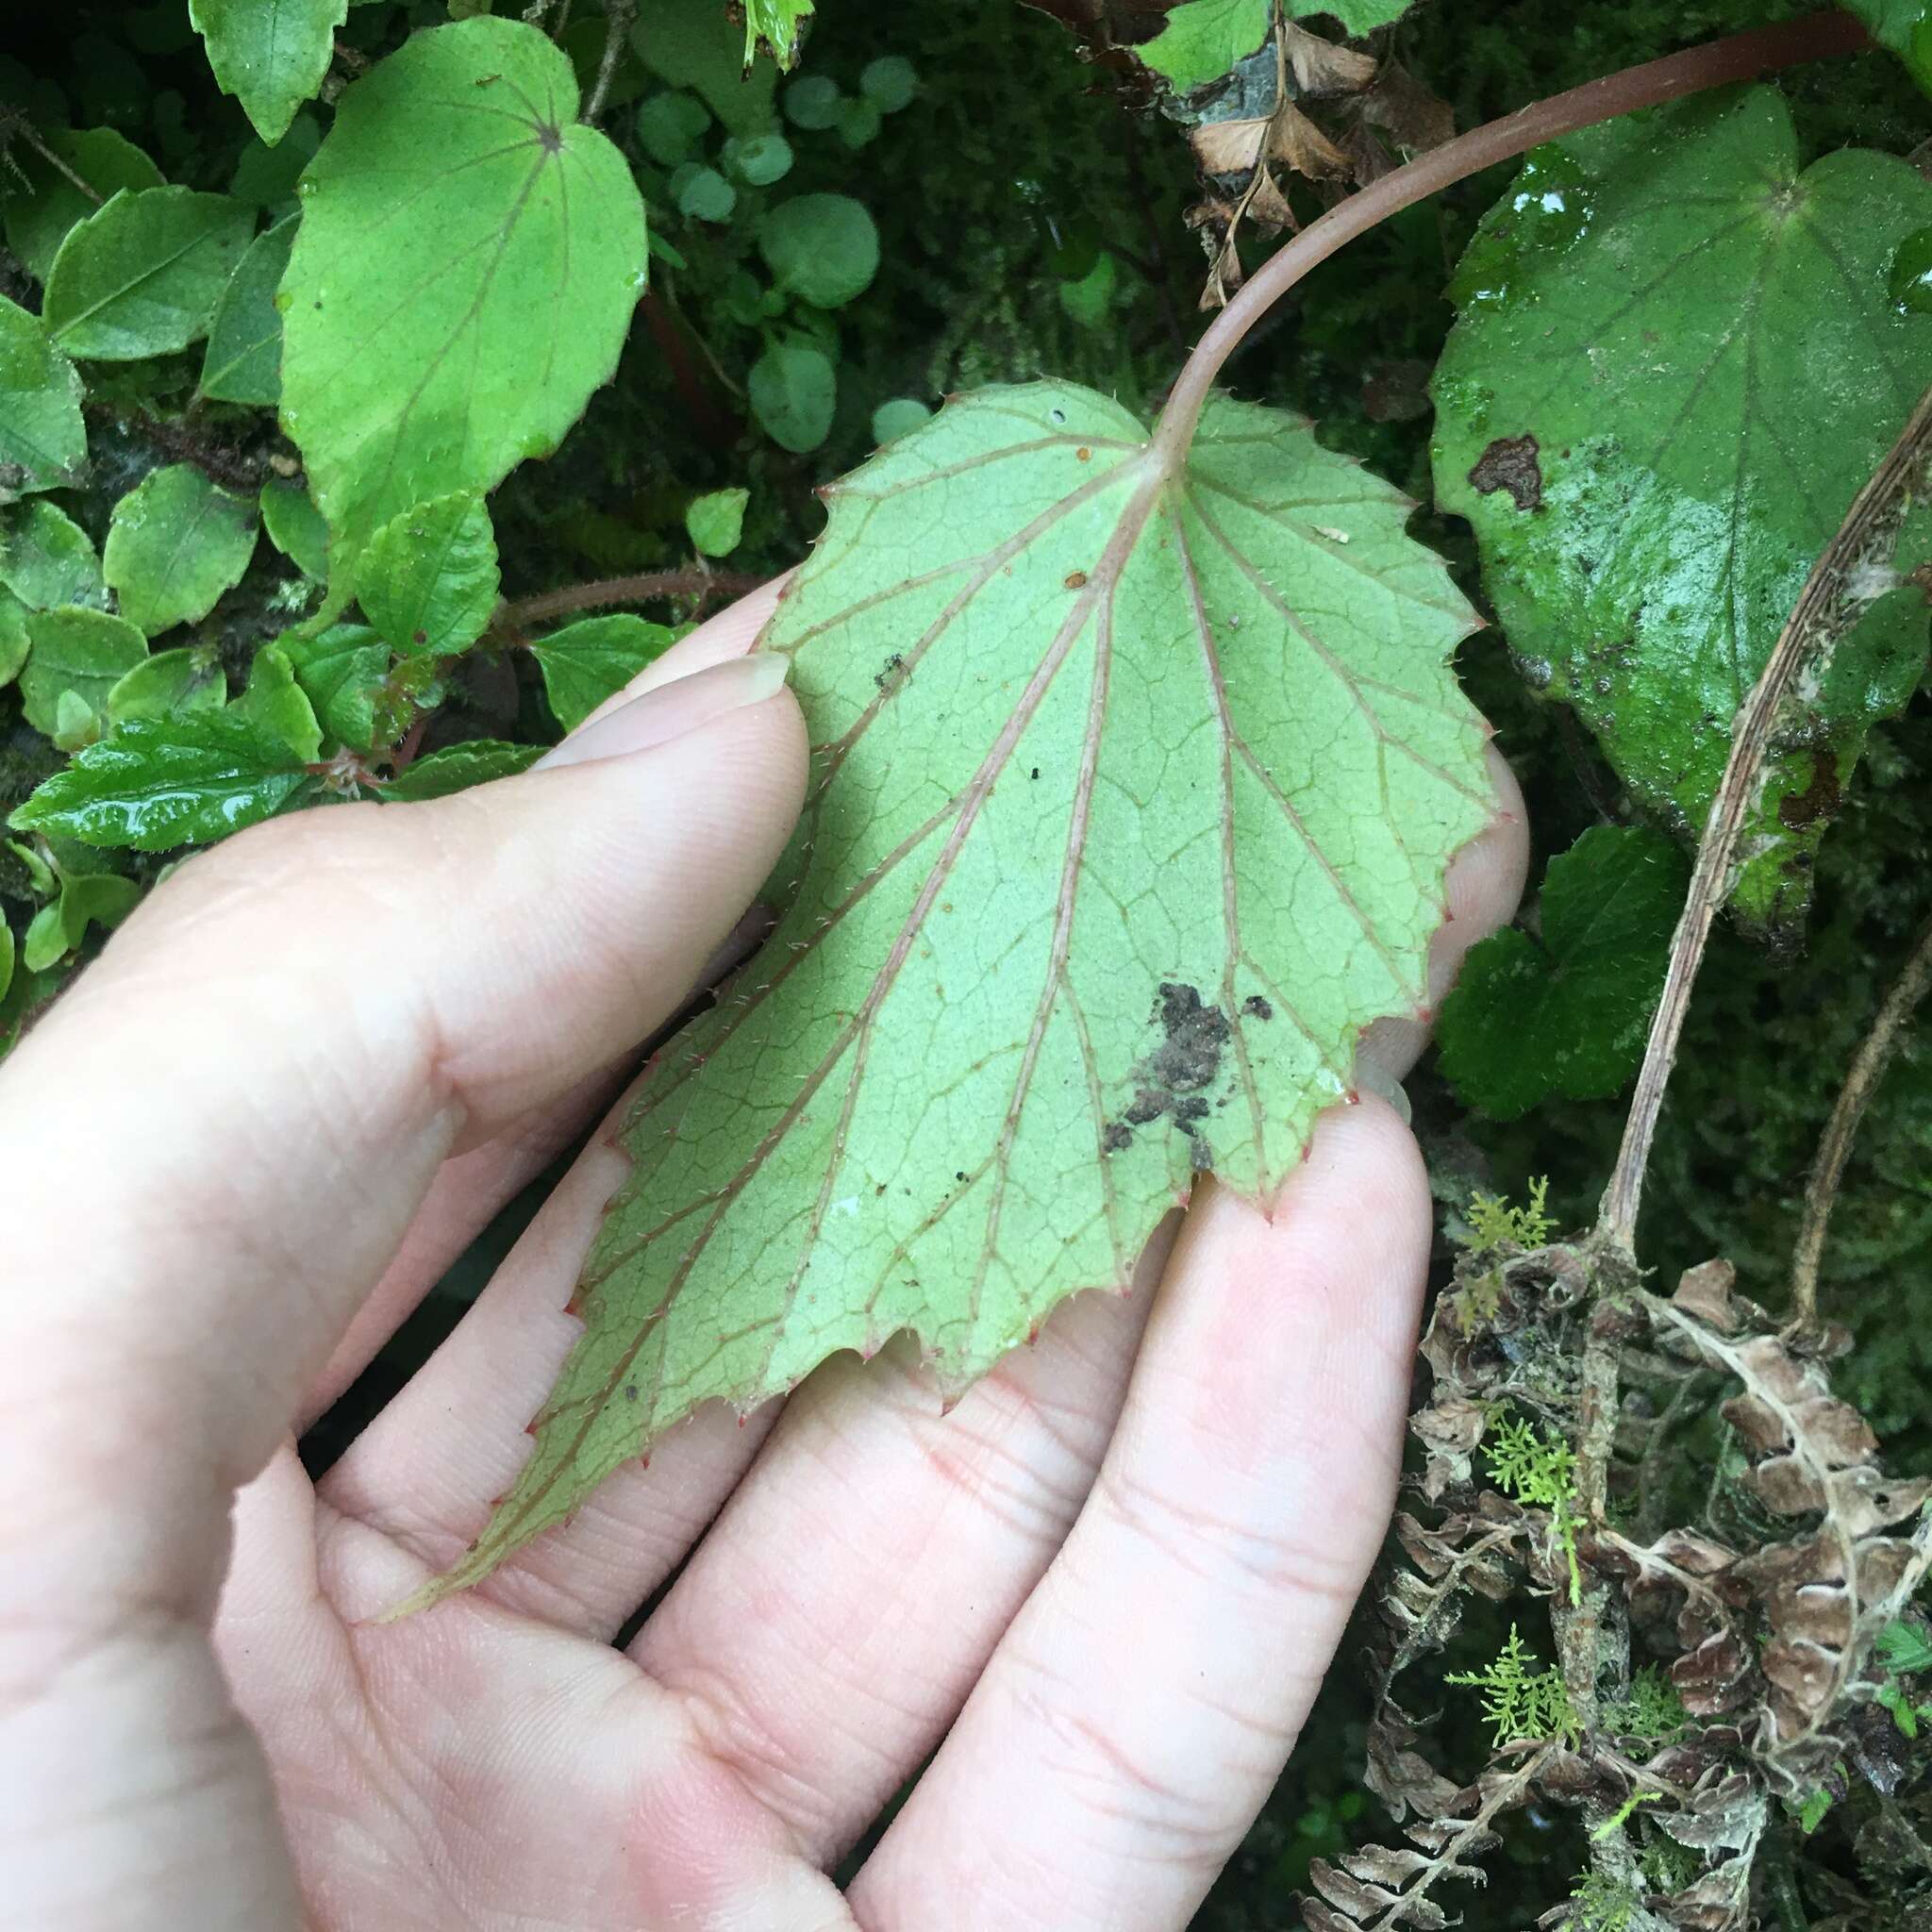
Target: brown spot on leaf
[1510,463]
[1818,800]
[1256,1007]
[1076,581]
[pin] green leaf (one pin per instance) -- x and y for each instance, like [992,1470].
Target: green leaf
[42,204]
[14,643]
[702,195]
[76,723]
[1204,39]
[897,418]
[271,54]
[456,163]
[716,523]
[585,663]
[243,364]
[6,958]
[343,673]
[890,83]
[1133,807]
[178,781]
[142,277]
[167,684]
[1360,17]
[428,580]
[278,708]
[759,159]
[670,127]
[1906,27]
[1649,490]
[84,652]
[1569,1014]
[1905,1647]
[459,767]
[42,440]
[812,103]
[795,390]
[775,28]
[46,559]
[822,248]
[692,44]
[58,929]
[175,542]
[295,527]
[266,176]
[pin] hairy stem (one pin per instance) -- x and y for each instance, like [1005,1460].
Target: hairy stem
[1868,1070]
[621,16]
[1825,610]
[25,129]
[1716,63]
[704,585]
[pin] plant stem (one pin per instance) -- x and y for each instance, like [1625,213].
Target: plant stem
[1716,63]
[702,584]
[621,16]
[1825,610]
[25,129]
[1868,1070]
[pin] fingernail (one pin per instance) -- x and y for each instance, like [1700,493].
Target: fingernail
[674,709]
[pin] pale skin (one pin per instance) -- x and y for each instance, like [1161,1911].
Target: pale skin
[1098,1595]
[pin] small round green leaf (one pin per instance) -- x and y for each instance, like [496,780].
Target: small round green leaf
[716,523]
[759,159]
[167,683]
[704,195]
[48,559]
[428,579]
[175,542]
[812,102]
[822,248]
[343,672]
[670,127]
[899,417]
[84,652]
[278,708]
[890,83]
[141,276]
[795,390]
[858,124]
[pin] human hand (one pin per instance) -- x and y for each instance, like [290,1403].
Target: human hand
[255,1133]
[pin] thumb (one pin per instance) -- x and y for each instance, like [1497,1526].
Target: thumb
[224,1130]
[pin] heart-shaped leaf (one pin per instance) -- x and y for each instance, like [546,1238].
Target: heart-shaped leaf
[1134,788]
[521,239]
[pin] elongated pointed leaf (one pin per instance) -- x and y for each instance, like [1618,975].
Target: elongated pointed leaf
[271,54]
[464,275]
[1649,487]
[42,440]
[1133,795]
[243,364]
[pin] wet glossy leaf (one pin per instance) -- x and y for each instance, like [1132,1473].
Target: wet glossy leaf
[48,559]
[271,54]
[716,523]
[460,766]
[428,580]
[295,527]
[142,275]
[1906,27]
[41,205]
[175,542]
[1567,1013]
[42,440]
[794,391]
[243,364]
[585,663]
[822,248]
[1133,795]
[76,651]
[168,683]
[1648,488]
[342,672]
[463,277]
[178,781]
[775,28]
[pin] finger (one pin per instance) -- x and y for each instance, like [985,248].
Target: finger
[296,1032]
[1138,1711]
[471,1189]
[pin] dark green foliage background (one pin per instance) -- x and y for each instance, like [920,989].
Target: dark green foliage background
[1012,170]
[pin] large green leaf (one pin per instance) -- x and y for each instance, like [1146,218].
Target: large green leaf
[1619,417]
[1133,796]
[42,204]
[464,275]
[243,364]
[271,54]
[177,781]
[42,440]
[175,542]
[1906,27]
[141,276]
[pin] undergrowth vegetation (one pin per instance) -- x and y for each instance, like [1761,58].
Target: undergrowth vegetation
[313,489]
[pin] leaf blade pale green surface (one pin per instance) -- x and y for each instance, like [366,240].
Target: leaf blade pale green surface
[586,662]
[463,277]
[175,542]
[1132,798]
[271,54]
[1648,497]
[1203,39]
[143,274]
[42,439]
[79,652]
[428,579]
